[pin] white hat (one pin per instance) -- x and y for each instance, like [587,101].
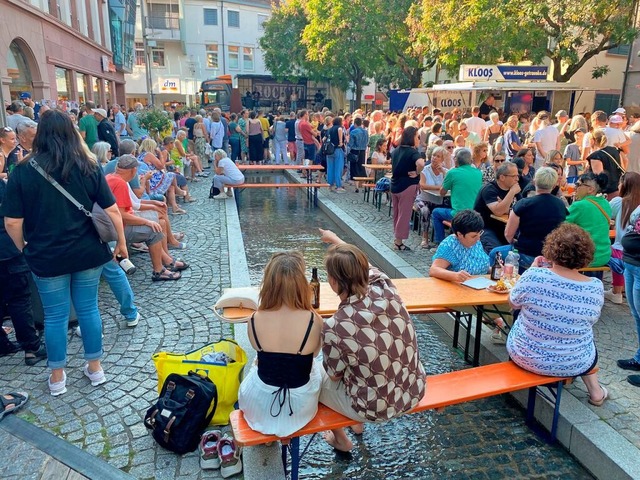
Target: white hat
[620,110]
[100,111]
[615,119]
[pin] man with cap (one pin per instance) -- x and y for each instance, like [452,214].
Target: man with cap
[88,125]
[615,135]
[138,228]
[28,101]
[106,131]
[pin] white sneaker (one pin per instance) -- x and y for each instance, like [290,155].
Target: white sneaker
[97,378]
[230,457]
[613,297]
[134,322]
[78,332]
[58,388]
[221,196]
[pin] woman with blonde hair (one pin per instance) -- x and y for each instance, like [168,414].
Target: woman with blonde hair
[187,159]
[280,394]
[606,159]
[161,182]
[102,151]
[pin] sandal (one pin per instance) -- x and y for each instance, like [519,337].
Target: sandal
[179,236]
[179,211]
[139,247]
[31,357]
[165,275]
[177,265]
[402,247]
[598,403]
[17,400]
[179,246]
[190,200]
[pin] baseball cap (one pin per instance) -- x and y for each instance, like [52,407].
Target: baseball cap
[562,113]
[620,110]
[100,111]
[615,119]
[127,161]
[24,95]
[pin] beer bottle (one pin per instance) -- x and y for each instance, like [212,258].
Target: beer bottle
[314,284]
[496,268]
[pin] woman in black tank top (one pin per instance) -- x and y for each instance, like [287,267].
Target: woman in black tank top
[280,393]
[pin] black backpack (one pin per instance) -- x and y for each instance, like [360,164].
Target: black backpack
[184,409]
[213,191]
[327,147]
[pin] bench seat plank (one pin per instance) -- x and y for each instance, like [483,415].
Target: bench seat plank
[283,185]
[443,390]
[234,313]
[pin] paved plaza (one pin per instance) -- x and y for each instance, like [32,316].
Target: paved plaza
[107,421]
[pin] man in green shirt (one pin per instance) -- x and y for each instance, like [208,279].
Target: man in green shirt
[89,125]
[464,181]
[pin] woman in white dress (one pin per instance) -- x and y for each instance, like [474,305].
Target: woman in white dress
[280,394]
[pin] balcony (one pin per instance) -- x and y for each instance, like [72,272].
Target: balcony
[163,27]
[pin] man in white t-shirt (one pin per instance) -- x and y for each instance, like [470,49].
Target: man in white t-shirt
[424,133]
[545,138]
[475,123]
[615,135]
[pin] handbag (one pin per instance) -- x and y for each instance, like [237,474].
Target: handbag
[241,297]
[101,220]
[225,375]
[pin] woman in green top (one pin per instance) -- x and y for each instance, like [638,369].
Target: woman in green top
[592,211]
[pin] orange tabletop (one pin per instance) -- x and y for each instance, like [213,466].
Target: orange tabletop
[612,234]
[279,167]
[420,295]
[378,166]
[500,218]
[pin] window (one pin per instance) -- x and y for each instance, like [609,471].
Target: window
[247,58]
[157,56]
[140,56]
[606,102]
[212,55]
[261,20]
[233,18]
[620,50]
[163,16]
[211,16]
[234,57]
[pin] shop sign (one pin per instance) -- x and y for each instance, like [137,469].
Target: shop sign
[107,64]
[169,85]
[481,73]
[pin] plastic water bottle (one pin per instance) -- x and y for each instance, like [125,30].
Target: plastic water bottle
[511,265]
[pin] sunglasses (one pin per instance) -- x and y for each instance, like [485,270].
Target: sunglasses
[7,129]
[498,160]
[451,148]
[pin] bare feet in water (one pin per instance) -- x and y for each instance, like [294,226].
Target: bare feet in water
[338,439]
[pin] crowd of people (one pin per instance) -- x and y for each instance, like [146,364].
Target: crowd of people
[497,183]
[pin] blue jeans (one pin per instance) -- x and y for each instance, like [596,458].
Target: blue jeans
[438,216]
[632,287]
[335,165]
[525,260]
[56,294]
[119,285]
[235,148]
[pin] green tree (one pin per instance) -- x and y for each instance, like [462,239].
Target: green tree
[489,31]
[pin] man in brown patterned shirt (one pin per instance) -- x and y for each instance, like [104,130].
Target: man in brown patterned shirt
[370,351]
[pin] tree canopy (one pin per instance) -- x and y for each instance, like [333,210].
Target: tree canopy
[490,31]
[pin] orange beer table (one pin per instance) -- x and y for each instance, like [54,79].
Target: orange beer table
[420,295]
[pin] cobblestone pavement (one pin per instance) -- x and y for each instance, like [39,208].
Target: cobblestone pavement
[107,420]
[615,332]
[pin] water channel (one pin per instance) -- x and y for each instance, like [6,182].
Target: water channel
[485,439]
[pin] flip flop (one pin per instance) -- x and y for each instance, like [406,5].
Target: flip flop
[17,400]
[179,246]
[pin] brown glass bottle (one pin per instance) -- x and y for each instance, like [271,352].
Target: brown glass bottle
[314,284]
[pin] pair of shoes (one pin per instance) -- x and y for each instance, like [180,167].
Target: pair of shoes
[58,388]
[221,196]
[165,275]
[613,297]
[97,377]
[132,323]
[218,451]
[8,405]
[179,246]
[598,403]
[629,364]
[634,380]
[31,357]
[402,247]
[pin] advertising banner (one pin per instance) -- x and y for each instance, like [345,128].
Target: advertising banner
[483,73]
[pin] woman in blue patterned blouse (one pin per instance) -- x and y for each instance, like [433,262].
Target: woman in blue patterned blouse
[460,255]
[558,307]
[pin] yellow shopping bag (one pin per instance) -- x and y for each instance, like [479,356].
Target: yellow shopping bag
[227,377]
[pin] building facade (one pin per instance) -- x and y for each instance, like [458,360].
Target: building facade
[189,41]
[60,51]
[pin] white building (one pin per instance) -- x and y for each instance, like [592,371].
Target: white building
[189,41]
